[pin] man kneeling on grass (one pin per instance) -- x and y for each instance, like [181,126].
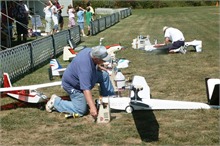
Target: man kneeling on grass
[175,36]
[78,80]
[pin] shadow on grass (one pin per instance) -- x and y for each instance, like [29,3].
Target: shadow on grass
[147,125]
[22,104]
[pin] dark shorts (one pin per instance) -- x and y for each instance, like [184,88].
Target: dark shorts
[22,26]
[60,18]
[176,45]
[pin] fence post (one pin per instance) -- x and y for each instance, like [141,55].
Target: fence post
[31,58]
[54,47]
[91,29]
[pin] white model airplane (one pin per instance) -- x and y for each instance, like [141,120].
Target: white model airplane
[143,43]
[55,69]
[122,63]
[140,98]
[26,93]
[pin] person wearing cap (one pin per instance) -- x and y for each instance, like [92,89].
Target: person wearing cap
[175,37]
[78,80]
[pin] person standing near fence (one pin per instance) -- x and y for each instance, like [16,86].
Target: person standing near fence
[88,19]
[89,4]
[20,13]
[59,12]
[80,15]
[70,12]
[48,17]
[54,17]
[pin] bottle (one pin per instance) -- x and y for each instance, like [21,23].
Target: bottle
[120,80]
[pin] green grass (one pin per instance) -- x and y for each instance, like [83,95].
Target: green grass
[172,76]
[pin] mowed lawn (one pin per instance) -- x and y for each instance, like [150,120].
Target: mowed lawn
[170,76]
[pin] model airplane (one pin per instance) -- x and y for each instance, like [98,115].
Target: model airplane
[196,44]
[112,49]
[140,98]
[143,43]
[55,69]
[68,53]
[26,93]
[122,63]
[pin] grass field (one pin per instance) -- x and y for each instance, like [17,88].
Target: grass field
[172,76]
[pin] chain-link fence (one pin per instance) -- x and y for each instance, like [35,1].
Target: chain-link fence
[25,58]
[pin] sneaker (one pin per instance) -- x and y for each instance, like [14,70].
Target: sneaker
[50,103]
[174,50]
[85,36]
[182,50]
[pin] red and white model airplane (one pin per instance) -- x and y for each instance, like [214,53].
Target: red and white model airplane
[111,49]
[26,93]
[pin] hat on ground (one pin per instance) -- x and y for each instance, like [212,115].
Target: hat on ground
[100,52]
[164,28]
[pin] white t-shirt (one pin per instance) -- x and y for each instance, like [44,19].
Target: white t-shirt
[54,15]
[54,11]
[174,34]
[48,11]
[91,10]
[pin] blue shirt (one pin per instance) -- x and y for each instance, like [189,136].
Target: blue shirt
[81,73]
[80,15]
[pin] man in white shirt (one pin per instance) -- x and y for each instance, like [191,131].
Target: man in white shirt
[174,36]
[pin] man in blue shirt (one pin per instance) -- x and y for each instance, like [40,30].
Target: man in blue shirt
[78,80]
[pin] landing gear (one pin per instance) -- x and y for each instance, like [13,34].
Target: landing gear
[129,109]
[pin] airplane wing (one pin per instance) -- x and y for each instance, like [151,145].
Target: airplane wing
[160,104]
[61,69]
[31,87]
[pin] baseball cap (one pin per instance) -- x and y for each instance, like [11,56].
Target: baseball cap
[164,28]
[100,52]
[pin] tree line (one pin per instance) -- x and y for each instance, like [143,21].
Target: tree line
[143,4]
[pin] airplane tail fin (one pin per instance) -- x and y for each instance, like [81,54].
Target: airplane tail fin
[6,79]
[212,90]
[54,64]
[72,51]
[68,53]
[55,69]
[139,81]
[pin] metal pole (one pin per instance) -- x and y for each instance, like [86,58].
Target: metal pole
[35,25]
[9,32]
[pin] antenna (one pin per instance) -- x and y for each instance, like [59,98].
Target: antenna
[100,41]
